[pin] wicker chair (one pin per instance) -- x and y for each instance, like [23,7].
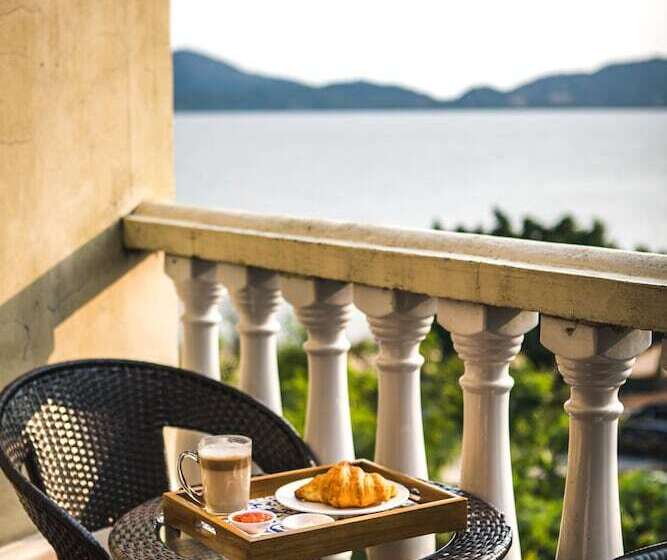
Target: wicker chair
[655,552]
[82,442]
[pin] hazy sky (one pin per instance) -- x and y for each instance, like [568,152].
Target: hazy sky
[438,46]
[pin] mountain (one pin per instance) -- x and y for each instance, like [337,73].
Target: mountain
[202,83]
[634,84]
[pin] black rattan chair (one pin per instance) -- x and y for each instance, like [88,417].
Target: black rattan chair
[82,442]
[655,552]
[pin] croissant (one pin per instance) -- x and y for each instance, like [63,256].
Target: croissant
[346,486]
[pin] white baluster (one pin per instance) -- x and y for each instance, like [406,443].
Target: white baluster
[256,296]
[595,360]
[200,292]
[399,321]
[324,308]
[487,339]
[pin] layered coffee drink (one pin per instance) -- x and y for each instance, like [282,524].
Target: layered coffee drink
[225,475]
[225,463]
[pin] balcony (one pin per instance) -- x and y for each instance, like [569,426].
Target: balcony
[595,308]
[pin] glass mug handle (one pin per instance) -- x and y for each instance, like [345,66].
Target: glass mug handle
[196,496]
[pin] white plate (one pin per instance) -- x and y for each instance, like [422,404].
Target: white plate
[285,495]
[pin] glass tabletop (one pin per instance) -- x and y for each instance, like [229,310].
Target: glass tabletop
[182,544]
[191,549]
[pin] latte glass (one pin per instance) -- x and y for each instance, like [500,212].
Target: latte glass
[225,463]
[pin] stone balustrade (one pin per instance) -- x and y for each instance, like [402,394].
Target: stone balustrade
[595,308]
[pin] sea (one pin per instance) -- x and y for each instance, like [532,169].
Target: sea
[410,168]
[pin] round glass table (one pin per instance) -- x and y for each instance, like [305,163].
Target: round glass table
[141,534]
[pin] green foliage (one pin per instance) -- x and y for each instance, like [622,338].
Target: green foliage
[538,426]
[565,230]
[644,505]
[294,384]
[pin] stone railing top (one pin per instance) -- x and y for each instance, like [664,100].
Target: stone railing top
[585,283]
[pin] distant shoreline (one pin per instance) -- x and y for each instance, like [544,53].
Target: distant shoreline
[202,83]
[560,109]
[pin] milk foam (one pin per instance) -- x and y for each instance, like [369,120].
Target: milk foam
[225,451]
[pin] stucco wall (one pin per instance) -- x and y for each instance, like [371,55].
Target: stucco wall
[85,135]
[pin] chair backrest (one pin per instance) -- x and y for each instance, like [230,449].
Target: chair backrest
[82,441]
[653,552]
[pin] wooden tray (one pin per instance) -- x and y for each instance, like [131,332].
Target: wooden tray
[437,511]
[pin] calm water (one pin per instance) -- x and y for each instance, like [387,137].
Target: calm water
[407,168]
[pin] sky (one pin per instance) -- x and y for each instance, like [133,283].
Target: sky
[441,47]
